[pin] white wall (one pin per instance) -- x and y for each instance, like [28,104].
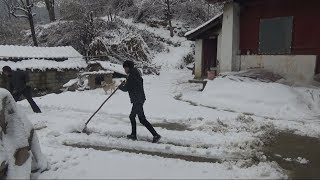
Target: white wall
[292,67]
[198,59]
[230,38]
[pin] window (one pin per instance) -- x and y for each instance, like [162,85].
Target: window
[275,35]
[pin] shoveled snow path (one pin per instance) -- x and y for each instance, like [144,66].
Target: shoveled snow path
[69,162]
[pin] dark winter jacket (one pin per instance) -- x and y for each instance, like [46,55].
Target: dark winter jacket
[18,81]
[134,86]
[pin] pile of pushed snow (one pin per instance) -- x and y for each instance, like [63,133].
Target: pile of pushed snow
[259,98]
[20,151]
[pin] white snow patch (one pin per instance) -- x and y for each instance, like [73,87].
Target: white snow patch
[70,83]
[97,72]
[302,160]
[264,99]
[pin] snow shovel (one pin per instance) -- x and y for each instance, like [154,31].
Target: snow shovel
[85,126]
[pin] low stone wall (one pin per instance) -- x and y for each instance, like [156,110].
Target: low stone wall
[49,80]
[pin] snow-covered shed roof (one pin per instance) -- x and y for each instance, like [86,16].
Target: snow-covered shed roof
[216,21]
[40,58]
[110,66]
[8,51]
[97,72]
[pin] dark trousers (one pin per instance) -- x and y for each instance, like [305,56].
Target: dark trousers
[137,109]
[28,95]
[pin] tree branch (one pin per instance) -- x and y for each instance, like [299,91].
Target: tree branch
[22,3]
[30,6]
[21,9]
[160,3]
[19,15]
[174,3]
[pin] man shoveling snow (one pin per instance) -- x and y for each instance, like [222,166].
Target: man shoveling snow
[134,86]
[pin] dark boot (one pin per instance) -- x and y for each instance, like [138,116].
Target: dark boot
[156,138]
[28,95]
[132,137]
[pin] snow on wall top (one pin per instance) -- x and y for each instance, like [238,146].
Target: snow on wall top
[40,58]
[97,72]
[203,25]
[110,66]
[38,52]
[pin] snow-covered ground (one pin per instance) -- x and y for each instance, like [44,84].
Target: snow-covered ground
[226,141]
[217,133]
[212,123]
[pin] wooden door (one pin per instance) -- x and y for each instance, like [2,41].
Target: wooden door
[209,55]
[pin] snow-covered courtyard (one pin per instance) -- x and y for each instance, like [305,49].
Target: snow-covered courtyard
[217,133]
[232,129]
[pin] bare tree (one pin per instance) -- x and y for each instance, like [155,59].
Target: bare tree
[7,6]
[72,10]
[23,9]
[169,16]
[168,12]
[87,29]
[50,8]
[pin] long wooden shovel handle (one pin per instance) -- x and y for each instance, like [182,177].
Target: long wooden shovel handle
[103,104]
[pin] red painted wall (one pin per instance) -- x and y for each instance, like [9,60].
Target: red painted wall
[306,23]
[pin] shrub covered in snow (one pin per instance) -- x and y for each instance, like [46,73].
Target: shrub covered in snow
[151,40]
[20,151]
[10,31]
[71,33]
[188,59]
[132,47]
[72,10]
[191,12]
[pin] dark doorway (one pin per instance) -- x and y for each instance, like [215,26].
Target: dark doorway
[98,80]
[209,55]
[317,70]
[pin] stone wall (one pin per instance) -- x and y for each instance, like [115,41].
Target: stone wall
[94,80]
[49,80]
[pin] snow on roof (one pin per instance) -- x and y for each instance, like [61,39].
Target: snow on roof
[36,64]
[110,66]
[40,58]
[203,25]
[7,51]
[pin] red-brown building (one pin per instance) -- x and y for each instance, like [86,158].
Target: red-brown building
[282,36]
